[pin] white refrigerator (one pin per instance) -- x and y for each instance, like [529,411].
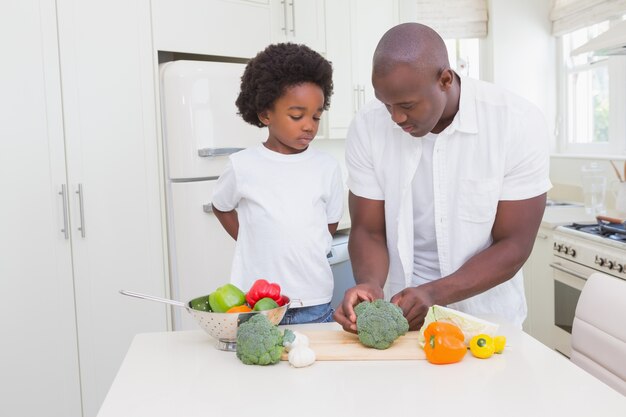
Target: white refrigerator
[200,129]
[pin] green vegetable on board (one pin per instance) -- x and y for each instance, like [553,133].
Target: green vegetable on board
[379,323]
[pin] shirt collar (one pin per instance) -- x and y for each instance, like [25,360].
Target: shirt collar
[465,119]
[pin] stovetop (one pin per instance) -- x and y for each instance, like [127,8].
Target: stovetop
[612,231]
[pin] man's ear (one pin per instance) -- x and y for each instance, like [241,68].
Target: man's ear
[264,117]
[446,79]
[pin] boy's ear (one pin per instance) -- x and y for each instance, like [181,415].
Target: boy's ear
[264,117]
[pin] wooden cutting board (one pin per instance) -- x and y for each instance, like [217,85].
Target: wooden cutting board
[339,345]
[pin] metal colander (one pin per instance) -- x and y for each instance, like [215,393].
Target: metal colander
[220,326]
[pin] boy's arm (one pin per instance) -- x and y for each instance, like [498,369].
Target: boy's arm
[332,228]
[229,221]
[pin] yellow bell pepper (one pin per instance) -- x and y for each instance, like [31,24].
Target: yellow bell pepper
[499,342]
[482,346]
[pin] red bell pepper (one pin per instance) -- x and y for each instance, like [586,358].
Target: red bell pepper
[262,289]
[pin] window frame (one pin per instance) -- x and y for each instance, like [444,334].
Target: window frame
[616,145]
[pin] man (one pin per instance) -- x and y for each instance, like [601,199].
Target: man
[448,179]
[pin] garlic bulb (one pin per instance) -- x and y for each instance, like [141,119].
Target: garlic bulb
[300,340]
[301,356]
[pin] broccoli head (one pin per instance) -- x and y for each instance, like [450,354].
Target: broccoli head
[259,342]
[379,323]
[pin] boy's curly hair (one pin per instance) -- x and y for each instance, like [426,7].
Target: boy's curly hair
[276,68]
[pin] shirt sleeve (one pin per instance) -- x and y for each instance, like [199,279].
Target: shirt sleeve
[362,179]
[334,205]
[226,193]
[527,172]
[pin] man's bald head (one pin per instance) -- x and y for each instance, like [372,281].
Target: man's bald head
[410,44]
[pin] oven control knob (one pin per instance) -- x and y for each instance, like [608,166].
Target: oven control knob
[600,261]
[619,267]
[572,252]
[609,264]
[559,248]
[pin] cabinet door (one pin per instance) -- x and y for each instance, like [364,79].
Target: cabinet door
[38,355]
[299,21]
[370,20]
[108,79]
[351,52]
[539,288]
[236,28]
[542,289]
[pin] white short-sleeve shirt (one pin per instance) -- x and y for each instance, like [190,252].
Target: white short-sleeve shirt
[284,205]
[496,148]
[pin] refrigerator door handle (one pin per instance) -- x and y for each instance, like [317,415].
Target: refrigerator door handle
[213,152]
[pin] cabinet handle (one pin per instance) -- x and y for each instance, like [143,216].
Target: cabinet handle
[82,211]
[355,97]
[293,17]
[63,194]
[207,208]
[284,28]
[362,96]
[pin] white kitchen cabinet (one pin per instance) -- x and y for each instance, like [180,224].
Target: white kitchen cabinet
[351,52]
[78,116]
[233,28]
[39,371]
[299,21]
[539,288]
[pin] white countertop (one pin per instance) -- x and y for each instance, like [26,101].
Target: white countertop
[557,216]
[183,374]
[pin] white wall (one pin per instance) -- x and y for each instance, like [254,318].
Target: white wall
[520,52]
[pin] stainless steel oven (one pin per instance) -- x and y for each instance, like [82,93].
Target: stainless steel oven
[579,251]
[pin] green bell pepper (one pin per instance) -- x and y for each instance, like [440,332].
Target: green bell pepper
[225,297]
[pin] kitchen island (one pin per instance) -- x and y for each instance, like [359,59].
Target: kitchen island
[183,374]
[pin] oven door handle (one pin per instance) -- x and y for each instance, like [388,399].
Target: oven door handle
[561,268]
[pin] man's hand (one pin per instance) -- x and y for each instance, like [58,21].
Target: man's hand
[344,315]
[414,303]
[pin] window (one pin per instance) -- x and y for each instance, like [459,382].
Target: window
[592,100]
[463,55]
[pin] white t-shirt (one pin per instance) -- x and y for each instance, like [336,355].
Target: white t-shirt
[284,205]
[496,148]
[425,256]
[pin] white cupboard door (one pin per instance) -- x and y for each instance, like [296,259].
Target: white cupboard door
[299,21]
[370,20]
[343,103]
[235,28]
[38,354]
[107,70]
[355,28]
[200,249]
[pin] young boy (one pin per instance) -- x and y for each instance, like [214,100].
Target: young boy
[281,201]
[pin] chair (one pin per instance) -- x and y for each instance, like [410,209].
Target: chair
[599,330]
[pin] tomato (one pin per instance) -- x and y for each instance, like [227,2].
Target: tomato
[499,343]
[482,346]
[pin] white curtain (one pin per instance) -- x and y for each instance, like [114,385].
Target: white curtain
[569,15]
[452,19]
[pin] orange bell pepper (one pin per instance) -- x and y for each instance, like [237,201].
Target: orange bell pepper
[239,309]
[444,343]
